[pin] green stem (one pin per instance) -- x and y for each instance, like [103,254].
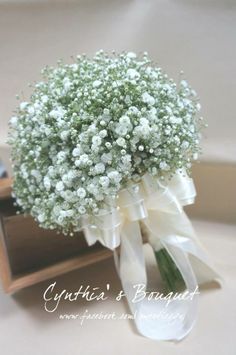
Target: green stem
[170,274]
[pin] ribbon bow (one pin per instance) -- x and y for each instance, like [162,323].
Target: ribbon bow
[159,207]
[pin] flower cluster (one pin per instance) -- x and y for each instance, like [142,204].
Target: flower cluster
[93,126]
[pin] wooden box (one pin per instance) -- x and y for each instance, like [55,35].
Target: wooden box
[29,254]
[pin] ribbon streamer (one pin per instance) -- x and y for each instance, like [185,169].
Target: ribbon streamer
[160,208]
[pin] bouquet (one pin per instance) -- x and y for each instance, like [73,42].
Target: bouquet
[106,145]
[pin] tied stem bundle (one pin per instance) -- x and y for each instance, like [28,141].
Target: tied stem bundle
[170,274]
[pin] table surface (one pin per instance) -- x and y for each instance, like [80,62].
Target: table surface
[26,328]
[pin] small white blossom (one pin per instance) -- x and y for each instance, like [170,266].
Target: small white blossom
[81,192]
[84,158]
[104,181]
[114,176]
[36,174]
[82,210]
[163,165]
[148,99]
[133,74]
[103,133]
[41,217]
[47,183]
[23,105]
[67,84]
[64,135]
[96,140]
[97,83]
[185,144]
[76,152]
[57,113]
[121,142]
[106,157]
[175,120]
[61,156]
[59,186]
[131,55]
[13,121]
[44,99]
[99,168]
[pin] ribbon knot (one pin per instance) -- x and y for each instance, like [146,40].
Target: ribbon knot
[159,206]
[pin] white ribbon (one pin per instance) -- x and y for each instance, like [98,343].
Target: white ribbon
[160,207]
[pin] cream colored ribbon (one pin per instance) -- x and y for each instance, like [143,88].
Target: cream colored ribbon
[160,207]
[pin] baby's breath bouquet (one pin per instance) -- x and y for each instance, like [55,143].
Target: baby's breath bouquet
[92,128]
[105,145]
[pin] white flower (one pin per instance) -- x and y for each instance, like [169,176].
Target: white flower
[144,121]
[74,67]
[185,144]
[36,174]
[198,106]
[126,159]
[41,218]
[64,135]
[47,183]
[84,158]
[163,165]
[121,130]
[125,120]
[82,210]
[47,131]
[99,168]
[99,197]
[70,213]
[114,176]
[71,174]
[106,157]
[68,195]
[13,121]
[96,140]
[44,99]
[148,99]
[59,186]
[23,105]
[78,163]
[81,192]
[131,55]
[104,181]
[142,131]
[76,152]
[184,83]
[67,83]
[133,74]
[103,133]
[97,83]
[175,120]
[61,156]
[57,113]
[31,110]
[121,142]
[134,110]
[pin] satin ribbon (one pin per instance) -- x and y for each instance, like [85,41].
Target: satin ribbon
[160,208]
